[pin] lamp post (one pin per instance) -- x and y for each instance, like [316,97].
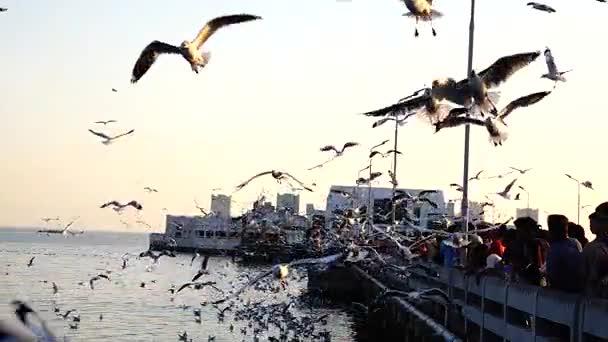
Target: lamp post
[394,205]
[586,184]
[370,205]
[467,132]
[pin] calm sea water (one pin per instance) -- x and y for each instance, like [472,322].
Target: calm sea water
[130,312]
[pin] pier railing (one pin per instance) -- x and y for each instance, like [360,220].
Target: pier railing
[519,312]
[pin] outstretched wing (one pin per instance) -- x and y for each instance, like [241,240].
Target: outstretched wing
[299,182]
[349,144]
[219,22]
[183,287]
[123,134]
[99,134]
[505,67]
[404,107]
[523,101]
[242,185]
[205,262]
[509,186]
[148,57]
[114,203]
[329,148]
[550,62]
[69,225]
[311,261]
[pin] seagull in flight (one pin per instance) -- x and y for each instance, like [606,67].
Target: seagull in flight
[198,286]
[587,184]
[114,90]
[63,231]
[203,269]
[477,85]
[457,187]
[541,7]
[149,189]
[553,74]
[117,206]
[519,170]
[48,219]
[2,9]
[105,122]
[505,192]
[96,278]
[476,177]
[520,102]
[31,263]
[278,175]
[189,50]
[422,10]
[107,139]
[337,151]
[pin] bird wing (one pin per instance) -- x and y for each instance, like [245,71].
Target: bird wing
[114,203]
[183,287]
[431,203]
[329,148]
[424,192]
[550,62]
[217,23]
[242,185]
[478,174]
[380,122]
[449,89]
[404,107]
[312,261]
[299,182]
[505,67]
[523,101]
[123,134]
[509,186]
[205,262]
[69,225]
[148,57]
[99,134]
[349,144]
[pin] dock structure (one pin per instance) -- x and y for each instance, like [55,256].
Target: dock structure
[488,308]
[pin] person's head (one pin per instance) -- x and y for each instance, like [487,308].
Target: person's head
[526,227]
[598,220]
[558,226]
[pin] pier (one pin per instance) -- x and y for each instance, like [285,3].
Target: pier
[488,310]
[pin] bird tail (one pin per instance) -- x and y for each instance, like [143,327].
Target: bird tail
[436,14]
[206,56]
[563,72]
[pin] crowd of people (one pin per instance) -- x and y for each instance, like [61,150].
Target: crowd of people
[560,257]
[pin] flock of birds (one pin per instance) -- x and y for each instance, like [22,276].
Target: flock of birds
[447,103]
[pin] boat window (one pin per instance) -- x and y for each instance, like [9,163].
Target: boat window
[234,234]
[209,234]
[201,233]
[220,234]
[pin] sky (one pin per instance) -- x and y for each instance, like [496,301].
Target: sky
[274,92]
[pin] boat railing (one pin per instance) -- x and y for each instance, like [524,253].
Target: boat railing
[516,311]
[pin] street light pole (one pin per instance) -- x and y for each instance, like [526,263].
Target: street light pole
[394,173]
[578,198]
[467,132]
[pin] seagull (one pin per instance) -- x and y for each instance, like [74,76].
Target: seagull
[587,184]
[198,286]
[541,7]
[338,152]
[96,278]
[497,136]
[523,101]
[117,206]
[203,269]
[105,122]
[2,9]
[114,90]
[31,263]
[520,171]
[201,209]
[281,271]
[108,140]
[457,187]
[63,231]
[553,74]
[278,175]
[375,153]
[516,197]
[406,108]
[477,85]
[47,219]
[476,177]
[188,50]
[380,144]
[505,192]
[421,10]
[382,121]
[149,189]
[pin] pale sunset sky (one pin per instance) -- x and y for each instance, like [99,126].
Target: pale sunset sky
[274,92]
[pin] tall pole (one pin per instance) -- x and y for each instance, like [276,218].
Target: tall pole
[394,174]
[467,132]
[370,204]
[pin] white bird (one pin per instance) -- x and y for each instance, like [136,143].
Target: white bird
[520,170]
[474,90]
[541,7]
[63,231]
[553,74]
[149,189]
[278,175]
[476,177]
[337,151]
[422,10]
[188,50]
[108,140]
[105,122]
[117,206]
[505,192]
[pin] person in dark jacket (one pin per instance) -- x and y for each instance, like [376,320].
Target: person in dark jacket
[565,259]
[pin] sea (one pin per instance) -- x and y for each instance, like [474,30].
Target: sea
[135,303]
